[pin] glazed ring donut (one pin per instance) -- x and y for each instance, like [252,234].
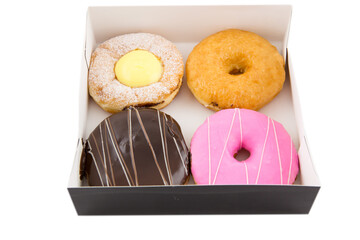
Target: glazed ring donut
[112,95]
[235,69]
[273,157]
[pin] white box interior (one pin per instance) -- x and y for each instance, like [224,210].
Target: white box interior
[270,22]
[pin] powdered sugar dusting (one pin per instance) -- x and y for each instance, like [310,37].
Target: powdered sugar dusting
[110,93]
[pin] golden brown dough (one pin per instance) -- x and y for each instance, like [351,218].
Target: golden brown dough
[235,69]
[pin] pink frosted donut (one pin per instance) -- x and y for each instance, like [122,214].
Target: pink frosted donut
[273,157]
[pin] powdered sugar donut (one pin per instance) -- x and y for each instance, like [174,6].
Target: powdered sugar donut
[114,94]
[273,156]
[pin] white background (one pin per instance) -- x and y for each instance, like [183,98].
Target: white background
[41,44]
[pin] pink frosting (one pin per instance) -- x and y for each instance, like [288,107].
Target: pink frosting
[273,157]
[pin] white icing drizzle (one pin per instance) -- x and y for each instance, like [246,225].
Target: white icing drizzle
[278,150]
[117,152]
[101,158]
[104,157]
[96,166]
[208,121]
[178,149]
[163,147]
[262,153]
[241,134]
[291,159]
[183,145]
[131,148]
[241,145]
[226,141]
[166,148]
[182,160]
[109,157]
[150,146]
[246,173]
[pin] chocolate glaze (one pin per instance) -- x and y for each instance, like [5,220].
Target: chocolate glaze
[138,146]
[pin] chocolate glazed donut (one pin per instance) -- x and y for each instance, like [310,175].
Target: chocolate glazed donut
[135,147]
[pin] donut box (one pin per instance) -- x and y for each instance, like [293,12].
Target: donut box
[272,23]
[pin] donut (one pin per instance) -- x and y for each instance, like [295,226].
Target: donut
[235,69]
[136,147]
[136,69]
[273,157]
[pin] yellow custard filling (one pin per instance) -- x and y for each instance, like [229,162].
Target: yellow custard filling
[138,68]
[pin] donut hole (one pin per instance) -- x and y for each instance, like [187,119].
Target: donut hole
[237,70]
[236,65]
[242,155]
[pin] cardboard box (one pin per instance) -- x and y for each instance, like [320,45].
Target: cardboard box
[186,26]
